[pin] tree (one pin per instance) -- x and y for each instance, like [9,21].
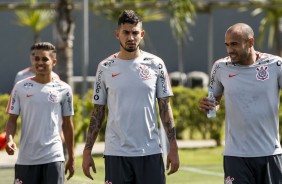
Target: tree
[272,23]
[37,20]
[64,36]
[182,13]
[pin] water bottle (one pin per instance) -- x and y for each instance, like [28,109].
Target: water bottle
[211,113]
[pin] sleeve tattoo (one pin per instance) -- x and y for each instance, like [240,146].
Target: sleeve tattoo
[96,121]
[167,118]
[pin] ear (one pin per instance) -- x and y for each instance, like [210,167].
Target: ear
[54,62]
[142,34]
[117,34]
[252,42]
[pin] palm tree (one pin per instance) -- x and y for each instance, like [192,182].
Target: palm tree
[182,13]
[37,20]
[64,35]
[272,23]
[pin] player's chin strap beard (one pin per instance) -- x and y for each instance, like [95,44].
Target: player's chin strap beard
[129,50]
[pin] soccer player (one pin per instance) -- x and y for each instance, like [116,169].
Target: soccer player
[42,102]
[130,81]
[250,82]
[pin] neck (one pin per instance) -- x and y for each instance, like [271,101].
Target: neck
[125,55]
[43,79]
[253,57]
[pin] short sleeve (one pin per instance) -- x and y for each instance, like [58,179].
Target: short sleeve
[215,82]
[99,91]
[279,64]
[13,106]
[67,105]
[163,83]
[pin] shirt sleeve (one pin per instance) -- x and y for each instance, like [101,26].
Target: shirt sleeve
[215,82]
[163,83]
[13,106]
[99,91]
[67,105]
[279,64]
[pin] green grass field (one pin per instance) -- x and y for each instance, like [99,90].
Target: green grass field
[197,166]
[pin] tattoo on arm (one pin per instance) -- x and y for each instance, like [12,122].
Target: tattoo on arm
[96,121]
[167,118]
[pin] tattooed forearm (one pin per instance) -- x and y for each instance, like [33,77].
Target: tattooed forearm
[167,118]
[96,120]
[171,133]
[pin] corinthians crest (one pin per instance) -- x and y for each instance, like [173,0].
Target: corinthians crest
[53,96]
[262,73]
[144,72]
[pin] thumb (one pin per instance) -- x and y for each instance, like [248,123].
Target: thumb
[10,137]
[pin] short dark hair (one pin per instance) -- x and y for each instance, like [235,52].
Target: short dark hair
[44,46]
[129,16]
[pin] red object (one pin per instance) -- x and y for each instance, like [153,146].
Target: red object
[3,140]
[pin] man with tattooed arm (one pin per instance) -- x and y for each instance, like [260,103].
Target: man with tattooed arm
[130,83]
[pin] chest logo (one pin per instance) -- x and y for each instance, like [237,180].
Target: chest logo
[144,72]
[53,96]
[262,73]
[229,180]
[115,74]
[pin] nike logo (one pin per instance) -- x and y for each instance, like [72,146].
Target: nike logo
[29,95]
[232,75]
[115,74]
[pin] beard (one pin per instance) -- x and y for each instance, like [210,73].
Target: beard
[131,49]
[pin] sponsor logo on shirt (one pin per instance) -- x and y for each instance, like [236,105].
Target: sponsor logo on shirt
[262,73]
[163,79]
[108,63]
[18,181]
[232,75]
[115,74]
[213,75]
[69,100]
[28,85]
[228,180]
[29,95]
[98,85]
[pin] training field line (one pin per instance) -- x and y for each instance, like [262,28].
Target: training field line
[201,171]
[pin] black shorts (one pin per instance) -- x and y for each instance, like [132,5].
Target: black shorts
[135,170]
[253,170]
[50,173]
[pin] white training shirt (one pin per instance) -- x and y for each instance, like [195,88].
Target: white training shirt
[41,107]
[130,88]
[251,95]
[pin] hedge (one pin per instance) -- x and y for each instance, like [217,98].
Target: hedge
[189,121]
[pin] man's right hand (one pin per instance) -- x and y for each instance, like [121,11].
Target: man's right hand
[205,104]
[11,146]
[88,162]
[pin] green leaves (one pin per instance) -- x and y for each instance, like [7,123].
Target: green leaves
[37,20]
[182,14]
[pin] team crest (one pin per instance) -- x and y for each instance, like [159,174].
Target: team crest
[262,73]
[53,96]
[144,72]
